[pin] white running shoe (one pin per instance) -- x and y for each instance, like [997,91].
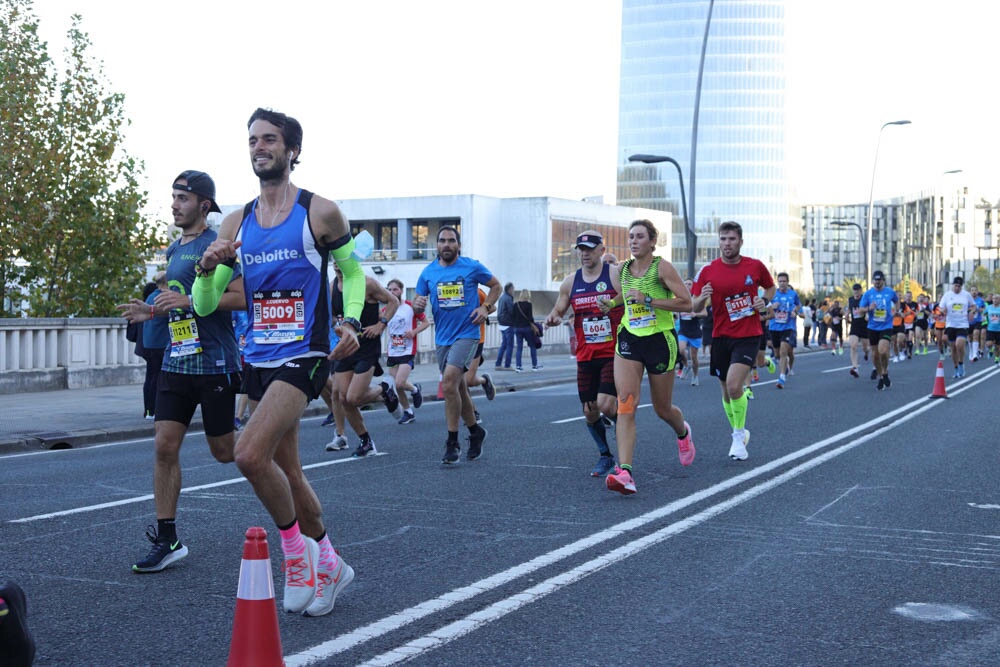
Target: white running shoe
[300,578]
[329,584]
[738,450]
[338,443]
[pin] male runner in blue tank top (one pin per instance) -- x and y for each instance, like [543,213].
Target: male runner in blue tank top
[283,240]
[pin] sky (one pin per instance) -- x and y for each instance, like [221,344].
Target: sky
[520,98]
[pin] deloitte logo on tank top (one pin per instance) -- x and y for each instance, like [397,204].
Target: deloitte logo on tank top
[280,255]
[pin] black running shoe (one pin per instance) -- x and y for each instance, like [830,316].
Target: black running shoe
[488,387]
[417,395]
[451,452]
[365,448]
[390,398]
[874,374]
[886,380]
[881,384]
[476,444]
[15,638]
[163,554]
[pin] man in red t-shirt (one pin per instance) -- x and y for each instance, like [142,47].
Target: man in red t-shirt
[733,284]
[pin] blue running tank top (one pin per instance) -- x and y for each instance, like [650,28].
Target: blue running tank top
[285,279]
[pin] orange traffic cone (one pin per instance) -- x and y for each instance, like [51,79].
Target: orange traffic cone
[440,395]
[939,390]
[256,640]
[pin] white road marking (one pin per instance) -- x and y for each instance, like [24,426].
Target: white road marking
[189,489]
[499,609]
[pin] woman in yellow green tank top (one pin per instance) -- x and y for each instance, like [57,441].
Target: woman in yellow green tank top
[651,290]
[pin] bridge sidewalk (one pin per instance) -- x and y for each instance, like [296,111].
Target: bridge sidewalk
[79,417]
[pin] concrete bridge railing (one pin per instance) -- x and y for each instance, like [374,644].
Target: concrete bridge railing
[45,354]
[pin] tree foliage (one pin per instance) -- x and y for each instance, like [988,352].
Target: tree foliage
[73,238]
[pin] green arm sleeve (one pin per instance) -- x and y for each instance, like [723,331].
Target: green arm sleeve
[354,280]
[208,290]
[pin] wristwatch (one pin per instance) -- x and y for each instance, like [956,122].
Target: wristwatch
[383,321]
[354,323]
[649,301]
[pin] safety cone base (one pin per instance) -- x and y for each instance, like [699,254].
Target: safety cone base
[939,386]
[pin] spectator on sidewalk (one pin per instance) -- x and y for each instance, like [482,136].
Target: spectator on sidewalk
[505,318]
[525,329]
[155,340]
[807,322]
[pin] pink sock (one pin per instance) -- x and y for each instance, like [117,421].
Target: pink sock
[292,543]
[327,554]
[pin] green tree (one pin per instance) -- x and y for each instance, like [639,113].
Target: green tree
[73,238]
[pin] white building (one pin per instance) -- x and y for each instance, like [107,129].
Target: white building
[527,241]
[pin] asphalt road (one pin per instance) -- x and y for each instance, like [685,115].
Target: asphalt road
[862,530]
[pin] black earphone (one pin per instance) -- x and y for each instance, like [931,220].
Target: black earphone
[204,209]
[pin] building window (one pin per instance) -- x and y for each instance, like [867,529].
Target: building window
[418,240]
[564,233]
[387,241]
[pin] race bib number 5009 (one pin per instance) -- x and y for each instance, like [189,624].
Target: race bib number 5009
[279,316]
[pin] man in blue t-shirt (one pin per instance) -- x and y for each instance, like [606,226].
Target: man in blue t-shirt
[784,309]
[991,314]
[880,302]
[450,284]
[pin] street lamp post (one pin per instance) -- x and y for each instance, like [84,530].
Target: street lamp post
[692,238]
[871,192]
[864,248]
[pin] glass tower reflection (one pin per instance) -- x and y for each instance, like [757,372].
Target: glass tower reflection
[741,172]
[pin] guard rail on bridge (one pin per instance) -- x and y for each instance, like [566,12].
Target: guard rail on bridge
[44,354]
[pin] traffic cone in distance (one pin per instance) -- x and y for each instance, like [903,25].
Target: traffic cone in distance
[440,395]
[256,639]
[939,390]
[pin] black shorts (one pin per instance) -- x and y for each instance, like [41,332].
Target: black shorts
[657,352]
[858,328]
[992,336]
[594,377]
[954,333]
[728,351]
[762,345]
[178,395]
[361,361]
[875,335]
[920,324]
[406,359]
[897,329]
[782,336]
[307,374]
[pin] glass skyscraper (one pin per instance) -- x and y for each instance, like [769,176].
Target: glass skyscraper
[740,172]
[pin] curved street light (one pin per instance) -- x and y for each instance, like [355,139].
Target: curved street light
[692,238]
[861,235]
[871,192]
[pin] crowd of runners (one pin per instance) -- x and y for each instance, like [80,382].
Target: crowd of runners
[301,333]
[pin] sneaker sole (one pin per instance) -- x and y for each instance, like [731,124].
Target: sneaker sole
[614,485]
[684,459]
[167,561]
[746,452]
[346,577]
